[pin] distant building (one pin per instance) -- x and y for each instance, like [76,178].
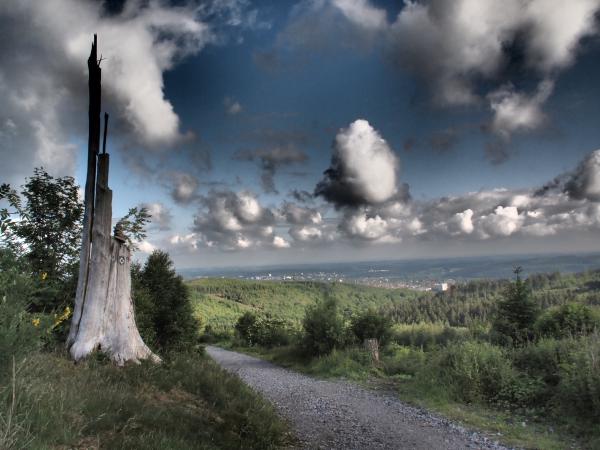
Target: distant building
[440,287]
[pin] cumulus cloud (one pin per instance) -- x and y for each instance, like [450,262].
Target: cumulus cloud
[271,160]
[306,233]
[299,215]
[279,242]
[160,215]
[363,168]
[43,72]
[233,221]
[453,44]
[569,204]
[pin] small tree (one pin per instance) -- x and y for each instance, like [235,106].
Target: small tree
[175,326]
[46,230]
[52,226]
[516,315]
[323,328]
[371,325]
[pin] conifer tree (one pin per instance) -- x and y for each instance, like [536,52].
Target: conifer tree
[516,314]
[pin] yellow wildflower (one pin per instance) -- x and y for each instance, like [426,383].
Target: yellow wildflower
[44,275]
[60,319]
[36,322]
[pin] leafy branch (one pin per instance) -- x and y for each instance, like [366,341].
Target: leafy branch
[133,226]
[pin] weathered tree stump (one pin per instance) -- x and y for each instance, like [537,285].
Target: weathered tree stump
[372,346]
[103,316]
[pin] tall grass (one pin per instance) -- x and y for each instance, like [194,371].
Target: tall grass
[186,402]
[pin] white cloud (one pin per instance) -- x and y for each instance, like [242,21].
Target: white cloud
[514,111]
[306,233]
[160,216]
[363,168]
[368,228]
[503,222]
[279,242]
[43,72]
[146,247]
[362,13]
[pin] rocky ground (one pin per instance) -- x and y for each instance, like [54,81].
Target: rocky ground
[342,415]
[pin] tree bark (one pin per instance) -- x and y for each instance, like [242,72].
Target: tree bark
[104,316]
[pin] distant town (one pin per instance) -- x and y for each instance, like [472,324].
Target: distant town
[337,277]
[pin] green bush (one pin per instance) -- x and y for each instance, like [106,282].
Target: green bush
[474,371]
[324,328]
[244,327]
[20,331]
[578,392]
[266,331]
[572,319]
[371,325]
[544,359]
[427,335]
[400,360]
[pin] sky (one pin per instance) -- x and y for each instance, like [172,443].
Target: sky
[293,131]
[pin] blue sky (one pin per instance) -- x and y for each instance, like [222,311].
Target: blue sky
[439,123]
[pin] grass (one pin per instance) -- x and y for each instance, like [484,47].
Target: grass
[186,402]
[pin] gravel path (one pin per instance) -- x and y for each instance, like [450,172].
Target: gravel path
[342,415]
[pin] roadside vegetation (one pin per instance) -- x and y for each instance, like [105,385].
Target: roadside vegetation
[520,359]
[48,402]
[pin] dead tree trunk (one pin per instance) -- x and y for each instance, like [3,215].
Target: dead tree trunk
[94,86]
[103,318]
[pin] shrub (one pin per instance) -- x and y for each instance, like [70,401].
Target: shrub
[399,360]
[428,335]
[323,328]
[544,359]
[271,332]
[244,327]
[475,371]
[19,330]
[266,330]
[371,325]
[572,319]
[578,392]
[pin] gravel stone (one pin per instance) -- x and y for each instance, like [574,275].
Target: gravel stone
[342,415]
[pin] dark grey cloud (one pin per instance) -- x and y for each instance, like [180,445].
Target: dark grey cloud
[497,151]
[183,186]
[584,183]
[301,196]
[271,160]
[445,140]
[299,215]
